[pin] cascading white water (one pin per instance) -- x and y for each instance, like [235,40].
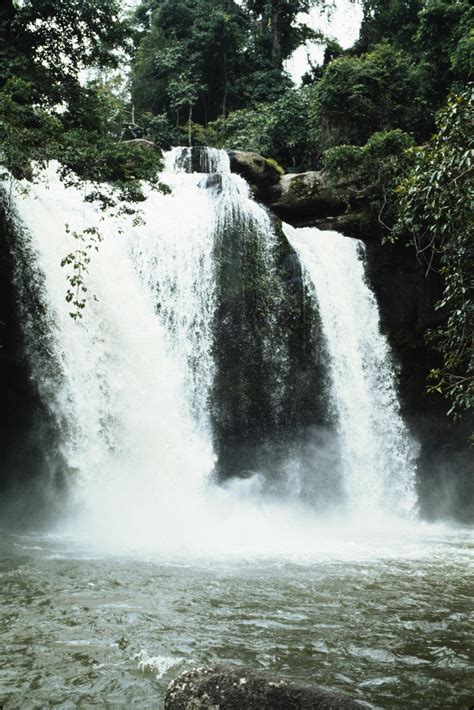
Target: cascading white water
[378,455]
[132,377]
[131,380]
[121,389]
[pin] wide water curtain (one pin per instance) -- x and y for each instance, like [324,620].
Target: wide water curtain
[213,346]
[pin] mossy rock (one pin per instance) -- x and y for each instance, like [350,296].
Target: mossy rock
[261,173]
[270,367]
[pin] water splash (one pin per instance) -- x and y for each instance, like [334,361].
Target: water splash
[123,394]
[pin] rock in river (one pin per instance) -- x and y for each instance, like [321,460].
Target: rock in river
[234,688]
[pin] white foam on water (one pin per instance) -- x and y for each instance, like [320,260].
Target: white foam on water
[157,665]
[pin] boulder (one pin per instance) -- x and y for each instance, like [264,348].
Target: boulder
[233,688]
[261,173]
[307,195]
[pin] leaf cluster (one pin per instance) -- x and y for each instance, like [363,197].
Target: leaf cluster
[358,96]
[279,130]
[435,206]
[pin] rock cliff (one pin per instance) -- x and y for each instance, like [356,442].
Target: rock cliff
[407,297]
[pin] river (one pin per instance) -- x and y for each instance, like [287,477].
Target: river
[388,623]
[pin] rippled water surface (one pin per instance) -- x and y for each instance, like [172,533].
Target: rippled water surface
[390,626]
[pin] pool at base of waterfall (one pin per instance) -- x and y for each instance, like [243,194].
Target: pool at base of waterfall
[389,624]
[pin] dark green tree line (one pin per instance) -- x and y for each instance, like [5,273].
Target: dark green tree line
[47,111]
[207,58]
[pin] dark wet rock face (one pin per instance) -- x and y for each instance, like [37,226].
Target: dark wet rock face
[407,297]
[270,366]
[32,472]
[227,688]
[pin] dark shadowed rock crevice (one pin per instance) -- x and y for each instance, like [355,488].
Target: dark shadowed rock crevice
[227,688]
[32,471]
[270,367]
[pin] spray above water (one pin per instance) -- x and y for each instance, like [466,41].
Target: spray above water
[132,380]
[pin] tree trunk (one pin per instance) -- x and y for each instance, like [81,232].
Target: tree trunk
[190,119]
[276,47]
[224,99]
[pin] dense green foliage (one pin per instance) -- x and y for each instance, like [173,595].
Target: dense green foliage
[394,21]
[436,200]
[187,59]
[378,91]
[48,112]
[374,170]
[202,59]
[45,111]
[280,128]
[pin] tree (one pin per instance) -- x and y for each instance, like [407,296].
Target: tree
[394,21]
[203,41]
[48,113]
[436,208]
[445,27]
[234,52]
[278,130]
[278,31]
[432,32]
[378,91]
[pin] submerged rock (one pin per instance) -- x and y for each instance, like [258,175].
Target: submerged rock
[227,688]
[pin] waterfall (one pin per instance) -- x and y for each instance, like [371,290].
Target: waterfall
[378,455]
[130,383]
[122,384]
[199,353]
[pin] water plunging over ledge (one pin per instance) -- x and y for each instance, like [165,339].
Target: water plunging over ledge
[358,596]
[379,457]
[134,383]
